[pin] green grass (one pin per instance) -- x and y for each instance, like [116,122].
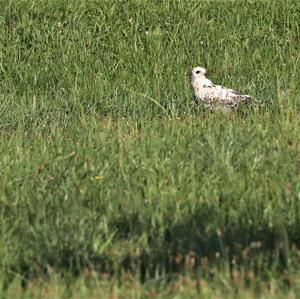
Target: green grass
[107,165]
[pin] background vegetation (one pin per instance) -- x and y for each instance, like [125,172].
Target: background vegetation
[114,182]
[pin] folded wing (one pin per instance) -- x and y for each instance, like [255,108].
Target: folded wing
[224,96]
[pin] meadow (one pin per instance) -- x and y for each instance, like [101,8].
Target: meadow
[114,183]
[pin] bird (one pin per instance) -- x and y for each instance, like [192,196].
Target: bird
[215,97]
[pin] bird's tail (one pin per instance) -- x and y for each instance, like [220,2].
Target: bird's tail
[246,98]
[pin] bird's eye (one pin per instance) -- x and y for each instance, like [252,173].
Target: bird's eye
[198,72]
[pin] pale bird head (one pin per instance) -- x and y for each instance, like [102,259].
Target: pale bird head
[197,72]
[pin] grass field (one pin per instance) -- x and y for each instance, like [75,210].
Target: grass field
[114,184]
